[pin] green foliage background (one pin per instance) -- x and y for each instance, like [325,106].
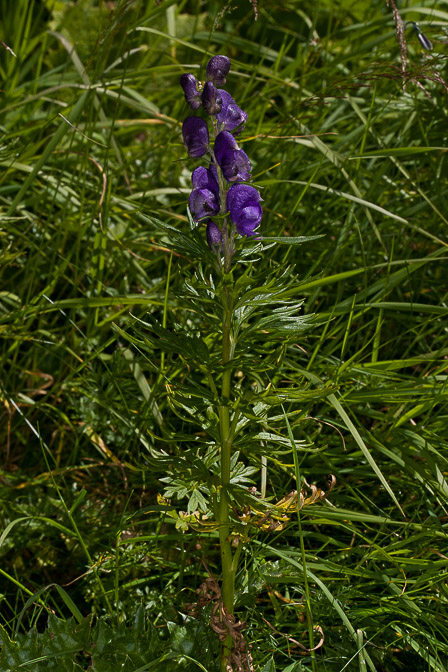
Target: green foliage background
[345,146]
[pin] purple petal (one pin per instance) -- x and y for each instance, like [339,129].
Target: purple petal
[217,69]
[211,99]
[205,178]
[234,163]
[243,203]
[230,115]
[203,203]
[195,133]
[241,168]
[239,194]
[190,87]
[224,143]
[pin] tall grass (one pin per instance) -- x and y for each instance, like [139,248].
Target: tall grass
[344,146]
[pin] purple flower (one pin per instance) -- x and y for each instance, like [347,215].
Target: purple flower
[243,203]
[190,87]
[230,115]
[205,178]
[195,132]
[202,203]
[217,70]
[204,199]
[211,99]
[214,235]
[233,162]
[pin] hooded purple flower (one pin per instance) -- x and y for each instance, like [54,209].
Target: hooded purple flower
[230,115]
[217,70]
[243,203]
[196,139]
[192,96]
[205,178]
[211,99]
[204,199]
[214,235]
[233,162]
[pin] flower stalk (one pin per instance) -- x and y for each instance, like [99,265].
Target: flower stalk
[228,566]
[218,191]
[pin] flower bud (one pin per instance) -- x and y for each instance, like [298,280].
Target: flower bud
[214,235]
[196,138]
[233,162]
[217,70]
[192,95]
[211,99]
[243,204]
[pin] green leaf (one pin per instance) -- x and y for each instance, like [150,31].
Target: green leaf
[191,244]
[55,649]
[294,667]
[64,127]
[397,151]
[280,395]
[269,666]
[356,435]
[124,648]
[193,348]
[285,240]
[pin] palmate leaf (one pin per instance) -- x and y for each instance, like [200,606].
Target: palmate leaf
[63,642]
[293,240]
[200,395]
[191,244]
[276,396]
[281,440]
[124,648]
[253,288]
[269,666]
[281,322]
[13,653]
[193,464]
[193,640]
[192,347]
[268,304]
[54,649]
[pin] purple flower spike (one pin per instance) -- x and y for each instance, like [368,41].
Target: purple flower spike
[190,87]
[211,99]
[233,162]
[204,199]
[243,203]
[214,235]
[230,115]
[196,138]
[217,70]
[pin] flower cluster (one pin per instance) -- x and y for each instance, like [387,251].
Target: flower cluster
[219,188]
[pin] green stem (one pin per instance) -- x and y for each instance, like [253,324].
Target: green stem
[229,561]
[226,435]
[165,309]
[309,613]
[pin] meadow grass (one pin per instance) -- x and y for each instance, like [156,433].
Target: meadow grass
[345,146]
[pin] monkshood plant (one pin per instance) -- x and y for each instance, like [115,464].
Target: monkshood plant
[242,313]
